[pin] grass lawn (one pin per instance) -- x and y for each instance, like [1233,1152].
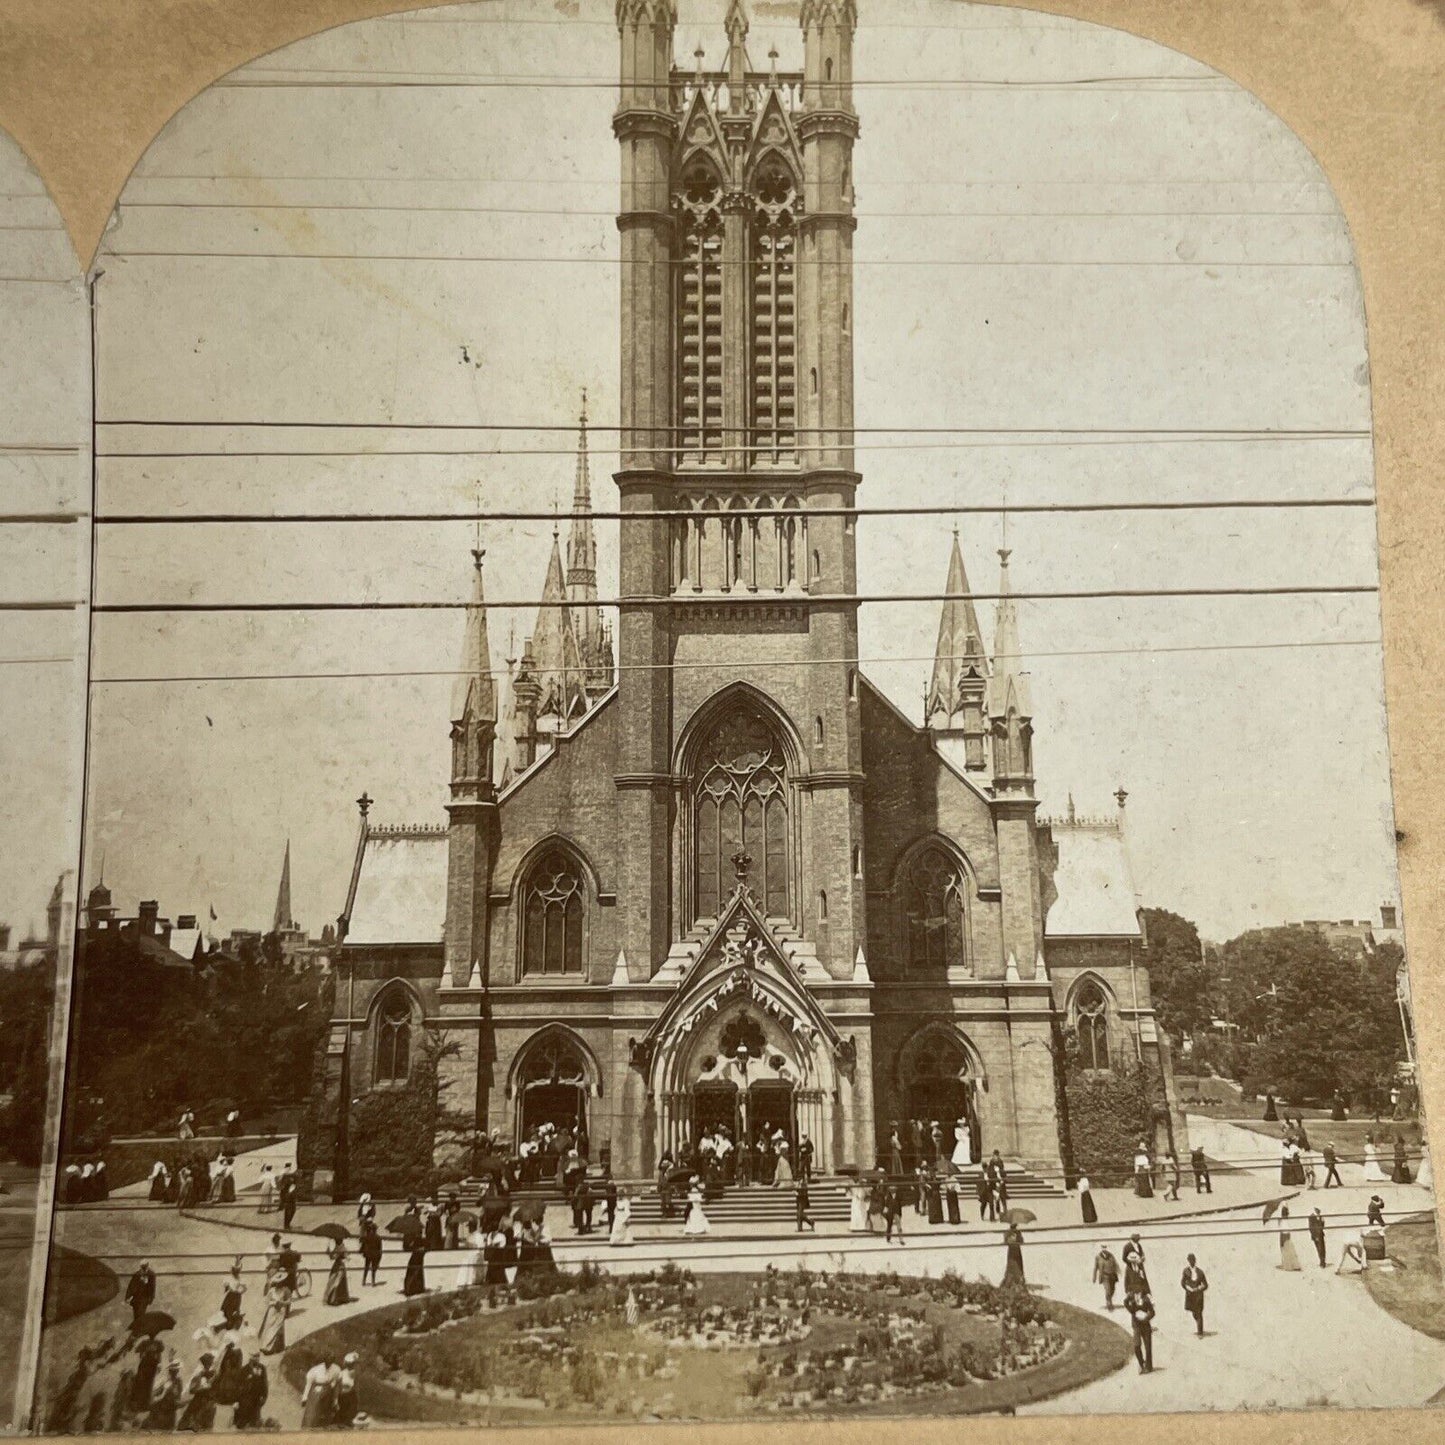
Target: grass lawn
[1348,1136]
[1415,1294]
[76,1284]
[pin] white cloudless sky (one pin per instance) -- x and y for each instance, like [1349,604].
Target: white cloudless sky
[1094,253]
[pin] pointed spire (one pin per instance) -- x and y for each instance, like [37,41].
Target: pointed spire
[620,975]
[960,651]
[736,26]
[473,695]
[282,921]
[559,671]
[1010,682]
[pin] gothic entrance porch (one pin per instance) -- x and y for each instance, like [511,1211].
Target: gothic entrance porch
[551,1084]
[939,1080]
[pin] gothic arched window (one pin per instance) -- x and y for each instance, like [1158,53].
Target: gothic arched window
[554,909]
[1091,1025]
[774,360]
[699,312]
[934,907]
[393,1038]
[740,808]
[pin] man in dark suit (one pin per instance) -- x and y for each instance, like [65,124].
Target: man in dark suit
[1141,1320]
[1332,1170]
[1317,1234]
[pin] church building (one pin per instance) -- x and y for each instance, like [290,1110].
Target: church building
[726,880]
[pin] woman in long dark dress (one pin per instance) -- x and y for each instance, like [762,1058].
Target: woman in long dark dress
[432,1226]
[545,1262]
[415,1280]
[166,1401]
[1013,1275]
[1402,1168]
[227,1387]
[951,1192]
[149,1354]
[493,1253]
[337,1292]
[160,1177]
[935,1199]
[232,1292]
[1086,1202]
[200,1412]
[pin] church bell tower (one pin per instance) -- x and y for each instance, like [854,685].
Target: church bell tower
[736,222]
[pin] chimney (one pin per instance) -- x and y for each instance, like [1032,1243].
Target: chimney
[185,920]
[146,919]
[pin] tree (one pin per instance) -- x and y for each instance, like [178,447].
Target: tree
[1178,978]
[1323,1018]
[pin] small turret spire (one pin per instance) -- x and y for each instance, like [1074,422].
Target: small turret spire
[281,920]
[1010,681]
[474,698]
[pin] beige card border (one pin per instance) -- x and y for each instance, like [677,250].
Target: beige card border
[85,85]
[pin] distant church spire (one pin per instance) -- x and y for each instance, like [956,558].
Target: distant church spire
[282,921]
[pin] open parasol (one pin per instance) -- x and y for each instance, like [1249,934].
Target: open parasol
[409,1226]
[152,1322]
[1019,1215]
[1270,1209]
[531,1211]
[332,1231]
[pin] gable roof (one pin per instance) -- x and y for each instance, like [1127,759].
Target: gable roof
[400,891]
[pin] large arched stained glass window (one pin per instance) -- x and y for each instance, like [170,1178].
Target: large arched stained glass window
[1091,1024]
[740,807]
[393,1038]
[554,908]
[933,907]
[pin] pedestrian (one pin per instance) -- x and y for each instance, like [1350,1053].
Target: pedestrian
[226,1389]
[318,1396]
[1338,1112]
[581,1207]
[414,1281]
[1106,1273]
[805,1157]
[186,1128]
[337,1291]
[1173,1193]
[268,1189]
[619,1224]
[985,1197]
[1086,1202]
[286,1193]
[1288,1257]
[800,1199]
[159,1178]
[251,1394]
[370,1252]
[232,1293]
[696,1221]
[1402,1169]
[1143,1172]
[140,1293]
[893,1213]
[344,1404]
[1373,1173]
[1194,1283]
[200,1412]
[1271,1114]
[935,1196]
[1375,1211]
[951,1191]
[1200,1164]
[1136,1277]
[895,1153]
[1141,1321]
[149,1354]
[1332,1168]
[233,1124]
[1013,1274]
[1317,1234]
[166,1401]
[665,1167]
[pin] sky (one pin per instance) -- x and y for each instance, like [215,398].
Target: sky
[1113,267]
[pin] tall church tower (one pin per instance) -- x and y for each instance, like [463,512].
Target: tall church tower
[736,229]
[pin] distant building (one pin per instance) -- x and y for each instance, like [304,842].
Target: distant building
[35,949]
[1359,936]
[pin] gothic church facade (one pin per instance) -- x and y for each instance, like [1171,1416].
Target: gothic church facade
[733,883]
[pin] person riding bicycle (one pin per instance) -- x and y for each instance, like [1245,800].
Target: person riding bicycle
[283,1266]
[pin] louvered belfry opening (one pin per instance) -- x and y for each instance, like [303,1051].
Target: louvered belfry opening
[700,318]
[774,334]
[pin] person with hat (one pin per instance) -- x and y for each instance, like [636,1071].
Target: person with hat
[166,1401]
[140,1293]
[200,1412]
[1317,1234]
[1136,1279]
[318,1396]
[251,1394]
[1106,1273]
[1194,1283]
[1141,1323]
[346,1401]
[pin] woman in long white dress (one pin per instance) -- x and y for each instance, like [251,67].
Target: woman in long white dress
[621,1234]
[1373,1173]
[858,1193]
[473,1269]
[783,1168]
[1425,1175]
[1288,1256]
[962,1146]
[696,1219]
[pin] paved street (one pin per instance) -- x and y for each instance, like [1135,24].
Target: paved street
[1275,1339]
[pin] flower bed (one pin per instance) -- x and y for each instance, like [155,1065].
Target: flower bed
[715,1347]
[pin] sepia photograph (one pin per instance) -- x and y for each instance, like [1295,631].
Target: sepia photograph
[728,665]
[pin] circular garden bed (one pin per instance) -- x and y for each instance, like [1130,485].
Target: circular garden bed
[671,1345]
